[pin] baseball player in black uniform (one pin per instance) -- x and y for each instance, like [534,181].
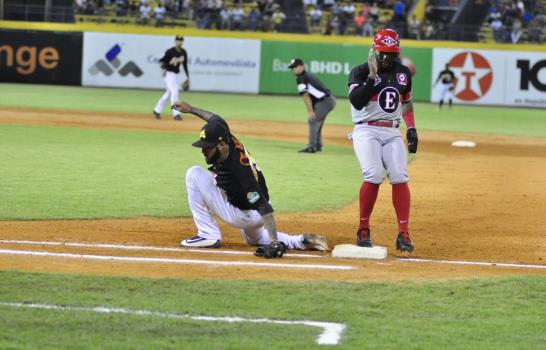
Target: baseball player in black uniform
[234,189]
[170,65]
[318,100]
[380,95]
[448,85]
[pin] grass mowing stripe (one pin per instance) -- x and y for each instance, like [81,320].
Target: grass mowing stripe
[173,260]
[330,335]
[70,173]
[462,118]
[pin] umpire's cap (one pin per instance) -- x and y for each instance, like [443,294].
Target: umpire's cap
[179,37]
[295,62]
[211,134]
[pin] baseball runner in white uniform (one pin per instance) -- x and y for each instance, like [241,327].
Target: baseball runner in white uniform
[380,95]
[234,189]
[170,64]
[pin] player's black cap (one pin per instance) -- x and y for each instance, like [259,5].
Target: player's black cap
[179,37]
[211,134]
[295,62]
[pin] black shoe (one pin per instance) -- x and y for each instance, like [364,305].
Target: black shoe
[156,115]
[318,149]
[177,117]
[403,242]
[309,149]
[364,238]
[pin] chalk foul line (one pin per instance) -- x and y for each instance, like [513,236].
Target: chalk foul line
[149,248]
[172,260]
[330,335]
[478,263]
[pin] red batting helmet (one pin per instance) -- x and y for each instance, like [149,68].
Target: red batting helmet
[386,40]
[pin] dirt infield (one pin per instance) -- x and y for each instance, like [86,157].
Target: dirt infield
[485,204]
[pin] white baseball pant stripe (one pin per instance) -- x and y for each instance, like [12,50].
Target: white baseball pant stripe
[207,200]
[171,93]
[378,148]
[445,93]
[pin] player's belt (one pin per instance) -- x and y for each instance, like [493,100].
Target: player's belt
[383,123]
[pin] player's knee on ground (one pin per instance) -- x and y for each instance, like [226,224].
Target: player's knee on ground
[374,175]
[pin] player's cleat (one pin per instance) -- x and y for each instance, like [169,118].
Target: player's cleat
[156,115]
[403,242]
[318,149]
[308,149]
[177,117]
[364,237]
[200,242]
[315,242]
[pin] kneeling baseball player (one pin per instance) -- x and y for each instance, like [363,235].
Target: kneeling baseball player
[234,189]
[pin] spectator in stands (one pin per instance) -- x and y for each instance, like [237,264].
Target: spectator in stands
[159,13]
[145,12]
[516,31]
[236,18]
[327,4]
[367,30]
[359,24]
[225,18]
[414,28]
[374,12]
[535,28]
[308,3]
[121,8]
[428,31]
[497,28]
[316,16]
[253,19]
[278,19]
[267,10]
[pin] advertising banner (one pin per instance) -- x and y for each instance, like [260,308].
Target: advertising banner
[40,57]
[511,78]
[332,63]
[130,60]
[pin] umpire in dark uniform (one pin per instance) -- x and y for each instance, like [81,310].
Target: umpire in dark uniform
[318,100]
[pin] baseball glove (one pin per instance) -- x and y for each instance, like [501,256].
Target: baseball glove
[186,85]
[272,250]
[411,136]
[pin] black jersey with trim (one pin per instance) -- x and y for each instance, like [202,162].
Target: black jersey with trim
[309,83]
[173,58]
[447,76]
[382,98]
[240,177]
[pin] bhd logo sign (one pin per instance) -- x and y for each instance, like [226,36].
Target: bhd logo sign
[111,62]
[474,75]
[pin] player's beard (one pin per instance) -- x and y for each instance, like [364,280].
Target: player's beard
[386,60]
[213,157]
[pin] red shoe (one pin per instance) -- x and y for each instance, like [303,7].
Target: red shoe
[363,238]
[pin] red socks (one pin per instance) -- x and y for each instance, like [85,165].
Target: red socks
[401,202]
[368,195]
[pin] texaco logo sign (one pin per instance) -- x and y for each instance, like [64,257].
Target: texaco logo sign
[474,75]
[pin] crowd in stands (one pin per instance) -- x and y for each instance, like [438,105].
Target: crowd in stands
[264,15]
[509,20]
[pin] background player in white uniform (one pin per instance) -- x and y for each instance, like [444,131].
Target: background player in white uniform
[170,64]
[380,95]
[235,191]
[448,85]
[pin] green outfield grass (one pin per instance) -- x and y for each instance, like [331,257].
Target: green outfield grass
[494,120]
[502,313]
[66,173]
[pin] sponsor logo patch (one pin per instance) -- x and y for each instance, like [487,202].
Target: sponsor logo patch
[252,197]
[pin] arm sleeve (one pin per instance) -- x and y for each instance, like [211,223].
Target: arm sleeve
[186,64]
[361,88]
[303,87]
[165,59]
[406,96]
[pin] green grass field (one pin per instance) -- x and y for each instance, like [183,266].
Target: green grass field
[67,173]
[502,313]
